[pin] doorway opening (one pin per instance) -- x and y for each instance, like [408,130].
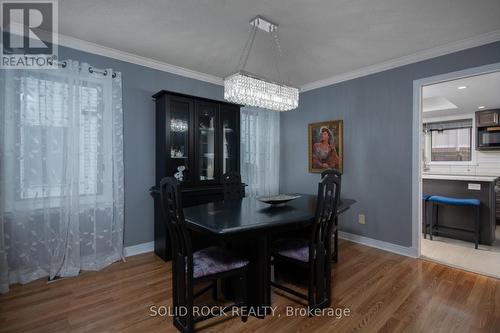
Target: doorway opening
[456,169]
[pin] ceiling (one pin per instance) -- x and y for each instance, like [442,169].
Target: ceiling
[319,38]
[482,90]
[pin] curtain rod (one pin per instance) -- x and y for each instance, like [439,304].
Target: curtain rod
[63,64]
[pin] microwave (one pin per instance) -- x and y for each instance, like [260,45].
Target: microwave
[488,137]
[488,129]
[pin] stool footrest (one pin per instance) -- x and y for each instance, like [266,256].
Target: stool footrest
[453,228]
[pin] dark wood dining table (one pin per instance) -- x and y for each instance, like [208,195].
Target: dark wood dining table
[249,220]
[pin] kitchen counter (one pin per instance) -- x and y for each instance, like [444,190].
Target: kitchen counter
[460,177]
[465,187]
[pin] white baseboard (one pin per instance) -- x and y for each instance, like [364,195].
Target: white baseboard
[403,250]
[139,248]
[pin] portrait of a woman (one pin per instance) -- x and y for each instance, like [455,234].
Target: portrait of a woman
[325,146]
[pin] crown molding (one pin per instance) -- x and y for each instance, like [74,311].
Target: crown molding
[105,51]
[461,45]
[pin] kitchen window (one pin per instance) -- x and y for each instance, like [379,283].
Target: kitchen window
[450,141]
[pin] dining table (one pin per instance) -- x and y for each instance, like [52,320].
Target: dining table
[248,220]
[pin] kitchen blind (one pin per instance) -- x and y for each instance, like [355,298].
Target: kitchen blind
[446,125]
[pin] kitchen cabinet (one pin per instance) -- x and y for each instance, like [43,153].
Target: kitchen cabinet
[473,187]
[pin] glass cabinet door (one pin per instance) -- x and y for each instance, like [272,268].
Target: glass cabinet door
[179,140]
[230,140]
[207,129]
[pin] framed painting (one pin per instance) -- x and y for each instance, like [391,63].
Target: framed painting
[326,150]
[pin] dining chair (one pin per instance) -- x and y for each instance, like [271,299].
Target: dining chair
[313,254]
[233,188]
[335,255]
[188,268]
[333,172]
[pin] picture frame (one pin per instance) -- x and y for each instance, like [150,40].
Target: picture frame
[326,146]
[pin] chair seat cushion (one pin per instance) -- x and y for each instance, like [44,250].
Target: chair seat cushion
[454,201]
[294,248]
[213,260]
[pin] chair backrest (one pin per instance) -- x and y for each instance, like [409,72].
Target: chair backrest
[233,188]
[182,254]
[171,205]
[333,172]
[326,208]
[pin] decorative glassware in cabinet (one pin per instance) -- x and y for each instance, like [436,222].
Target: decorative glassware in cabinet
[207,124]
[179,144]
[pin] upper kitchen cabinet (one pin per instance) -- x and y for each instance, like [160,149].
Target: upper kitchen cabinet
[488,118]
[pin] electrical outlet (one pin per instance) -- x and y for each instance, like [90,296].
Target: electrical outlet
[361,219]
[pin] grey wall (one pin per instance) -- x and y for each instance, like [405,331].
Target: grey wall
[377,114]
[139,84]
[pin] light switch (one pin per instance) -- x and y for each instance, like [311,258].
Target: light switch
[474,187]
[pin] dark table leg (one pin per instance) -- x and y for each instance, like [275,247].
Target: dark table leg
[258,279]
[259,286]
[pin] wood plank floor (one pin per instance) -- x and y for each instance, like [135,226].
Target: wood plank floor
[385,292]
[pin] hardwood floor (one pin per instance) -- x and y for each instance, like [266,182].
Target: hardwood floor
[385,292]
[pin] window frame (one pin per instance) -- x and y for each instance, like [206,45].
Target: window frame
[451,129]
[16,202]
[428,145]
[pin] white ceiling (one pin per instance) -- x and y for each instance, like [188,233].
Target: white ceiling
[482,90]
[437,103]
[320,38]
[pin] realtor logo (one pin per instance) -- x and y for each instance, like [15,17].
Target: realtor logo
[29,34]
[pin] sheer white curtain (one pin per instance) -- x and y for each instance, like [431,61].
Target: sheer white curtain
[260,151]
[61,172]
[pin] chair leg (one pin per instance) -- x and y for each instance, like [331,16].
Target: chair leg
[320,287]
[424,220]
[431,222]
[275,271]
[335,257]
[215,295]
[243,282]
[328,281]
[190,318]
[310,289]
[477,222]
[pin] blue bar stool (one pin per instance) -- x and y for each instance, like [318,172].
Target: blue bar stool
[425,198]
[440,200]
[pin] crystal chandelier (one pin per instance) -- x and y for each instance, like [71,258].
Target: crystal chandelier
[249,89]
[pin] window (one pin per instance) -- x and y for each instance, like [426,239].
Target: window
[450,141]
[44,131]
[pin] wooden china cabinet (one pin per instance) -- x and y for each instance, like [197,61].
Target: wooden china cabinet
[201,136]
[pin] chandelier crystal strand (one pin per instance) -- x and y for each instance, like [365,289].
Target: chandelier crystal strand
[244,89]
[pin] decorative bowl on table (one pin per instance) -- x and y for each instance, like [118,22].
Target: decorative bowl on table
[279,200]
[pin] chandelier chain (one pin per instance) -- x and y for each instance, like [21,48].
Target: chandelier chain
[278,54]
[247,49]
